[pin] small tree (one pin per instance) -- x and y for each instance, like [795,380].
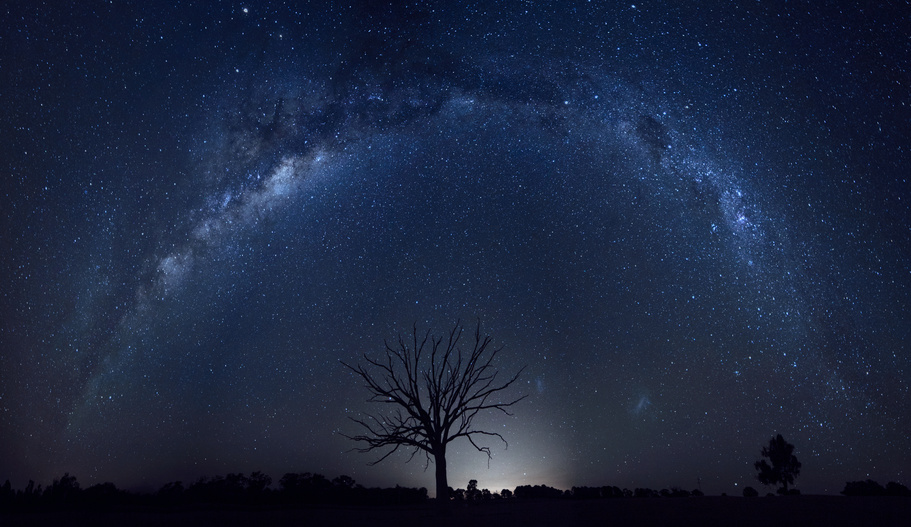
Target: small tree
[784,467]
[437,389]
[472,493]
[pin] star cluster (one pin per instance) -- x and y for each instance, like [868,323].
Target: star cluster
[690,222]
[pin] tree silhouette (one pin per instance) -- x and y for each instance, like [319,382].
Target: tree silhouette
[63,491]
[471,492]
[784,467]
[437,389]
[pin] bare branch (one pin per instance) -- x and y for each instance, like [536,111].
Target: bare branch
[436,388]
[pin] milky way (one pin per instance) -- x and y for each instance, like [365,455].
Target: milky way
[693,243]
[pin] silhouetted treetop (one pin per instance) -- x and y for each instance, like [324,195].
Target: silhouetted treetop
[784,465]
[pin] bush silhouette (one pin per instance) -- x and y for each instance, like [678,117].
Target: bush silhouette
[872,488]
[897,489]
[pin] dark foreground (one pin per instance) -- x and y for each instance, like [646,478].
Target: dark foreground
[759,512]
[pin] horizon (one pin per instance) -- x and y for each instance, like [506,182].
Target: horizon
[690,222]
[275,486]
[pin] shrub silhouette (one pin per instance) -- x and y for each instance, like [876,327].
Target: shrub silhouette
[645,493]
[537,491]
[897,489]
[103,496]
[171,494]
[872,488]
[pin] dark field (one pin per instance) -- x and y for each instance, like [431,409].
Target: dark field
[742,512]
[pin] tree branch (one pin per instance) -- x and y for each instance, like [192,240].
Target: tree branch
[438,389]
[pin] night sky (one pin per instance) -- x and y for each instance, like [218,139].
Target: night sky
[690,220]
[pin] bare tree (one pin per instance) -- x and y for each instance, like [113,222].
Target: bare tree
[437,389]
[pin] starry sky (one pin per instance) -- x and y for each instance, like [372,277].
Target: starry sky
[690,220]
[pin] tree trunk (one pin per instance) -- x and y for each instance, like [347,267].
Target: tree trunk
[439,459]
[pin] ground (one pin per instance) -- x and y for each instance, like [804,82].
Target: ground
[830,511]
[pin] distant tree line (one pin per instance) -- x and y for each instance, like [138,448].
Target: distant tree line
[577,493]
[294,489]
[232,490]
[872,488]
